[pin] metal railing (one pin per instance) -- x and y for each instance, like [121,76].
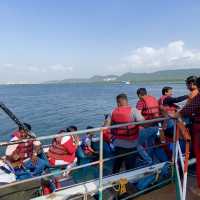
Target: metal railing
[182,159]
[101,160]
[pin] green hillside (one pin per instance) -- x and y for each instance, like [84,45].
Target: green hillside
[168,75]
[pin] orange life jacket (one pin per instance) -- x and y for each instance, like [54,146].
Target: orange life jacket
[151,109]
[166,108]
[121,115]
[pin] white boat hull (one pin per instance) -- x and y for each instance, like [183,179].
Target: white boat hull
[92,186]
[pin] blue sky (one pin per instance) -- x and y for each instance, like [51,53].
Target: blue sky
[57,39]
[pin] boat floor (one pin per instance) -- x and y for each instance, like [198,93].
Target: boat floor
[169,192]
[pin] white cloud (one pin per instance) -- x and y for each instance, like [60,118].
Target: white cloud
[8,65]
[52,68]
[173,56]
[33,68]
[57,68]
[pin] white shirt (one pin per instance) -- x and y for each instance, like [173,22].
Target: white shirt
[6,177]
[11,148]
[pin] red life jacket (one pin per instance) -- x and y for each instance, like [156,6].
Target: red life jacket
[121,115]
[107,135]
[151,109]
[168,109]
[24,150]
[46,190]
[58,151]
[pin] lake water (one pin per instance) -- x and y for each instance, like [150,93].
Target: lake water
[49,108]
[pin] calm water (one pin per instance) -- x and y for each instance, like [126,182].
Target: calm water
[52,107]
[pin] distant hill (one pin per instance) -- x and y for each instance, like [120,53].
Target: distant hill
[178,75]
[166,75]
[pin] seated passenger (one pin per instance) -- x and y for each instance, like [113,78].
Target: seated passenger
[24,156]
[87,143]
[7,173]
[63,149]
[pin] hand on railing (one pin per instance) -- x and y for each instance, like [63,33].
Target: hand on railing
[182,130]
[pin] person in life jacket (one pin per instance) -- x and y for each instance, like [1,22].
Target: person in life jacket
[24,156]
[63,149]
[168,105]
[192,110]
[87,143]
[124,138]
[147,104]
[7,173]
[149,108]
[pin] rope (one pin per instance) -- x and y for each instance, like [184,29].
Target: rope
[120,186]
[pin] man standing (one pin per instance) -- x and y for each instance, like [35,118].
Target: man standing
[149,108]
[168,105]
[192,110]
[124,138]
[192,87]
[147,104]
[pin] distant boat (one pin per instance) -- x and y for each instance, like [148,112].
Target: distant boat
[127,82]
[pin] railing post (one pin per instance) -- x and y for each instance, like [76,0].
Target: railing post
[174,150]
[101,166]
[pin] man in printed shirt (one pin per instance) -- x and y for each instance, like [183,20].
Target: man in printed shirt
[192,110]
[192,87]
[25,155]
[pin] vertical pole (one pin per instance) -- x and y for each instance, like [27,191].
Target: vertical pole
[174,151]
[101,166]
[186,169]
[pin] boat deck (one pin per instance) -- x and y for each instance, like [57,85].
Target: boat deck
[169,192]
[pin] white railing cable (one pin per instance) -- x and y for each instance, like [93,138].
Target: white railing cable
[40,138]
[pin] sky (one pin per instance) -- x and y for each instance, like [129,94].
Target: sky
[43,40]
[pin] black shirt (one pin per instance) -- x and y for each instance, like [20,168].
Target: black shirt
[172,100]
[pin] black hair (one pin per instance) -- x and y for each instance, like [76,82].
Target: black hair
[26,125]
[89,127]
[122,96]
[71,128]
[191,79]
[198,82]
[166,89]
[61,131]
[141,91]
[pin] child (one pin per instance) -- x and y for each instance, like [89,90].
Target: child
[87,143]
